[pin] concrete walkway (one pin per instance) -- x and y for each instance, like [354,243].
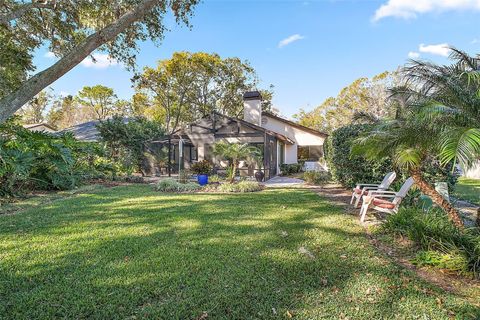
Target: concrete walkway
[282,182]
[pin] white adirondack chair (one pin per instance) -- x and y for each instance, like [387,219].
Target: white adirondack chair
[363,189]
[385,200]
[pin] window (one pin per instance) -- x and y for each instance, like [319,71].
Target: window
[281,156]
[193,153]
[310,153]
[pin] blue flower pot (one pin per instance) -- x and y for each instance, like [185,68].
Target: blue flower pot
[202,179]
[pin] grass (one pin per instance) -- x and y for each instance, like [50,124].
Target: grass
[468,189]
[130,252]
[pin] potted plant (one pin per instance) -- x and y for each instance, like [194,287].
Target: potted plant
[259,174]
[202,169]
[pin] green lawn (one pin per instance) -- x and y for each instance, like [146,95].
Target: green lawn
[129,252]
[468,189]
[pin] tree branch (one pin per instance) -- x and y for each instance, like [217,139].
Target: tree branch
[31,87]
[23,9]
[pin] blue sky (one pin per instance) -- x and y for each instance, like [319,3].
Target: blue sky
[326,44]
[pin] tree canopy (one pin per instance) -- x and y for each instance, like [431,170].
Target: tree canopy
[364,95]
[440,119]
[189,86]
[72,30]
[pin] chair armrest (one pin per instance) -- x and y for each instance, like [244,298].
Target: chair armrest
[391,196]
[382,192]
[368,184]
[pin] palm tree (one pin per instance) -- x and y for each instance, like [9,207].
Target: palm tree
[234,153]
[438,115]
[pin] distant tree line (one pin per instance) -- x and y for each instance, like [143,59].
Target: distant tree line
[177,91]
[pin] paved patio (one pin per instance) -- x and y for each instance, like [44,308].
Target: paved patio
[281,182]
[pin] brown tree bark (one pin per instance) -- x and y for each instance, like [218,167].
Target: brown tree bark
[234,170]
[437,198]
[31,87]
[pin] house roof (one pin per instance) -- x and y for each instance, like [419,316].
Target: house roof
[254,126]
[86,131]
[294,124]
[36,125]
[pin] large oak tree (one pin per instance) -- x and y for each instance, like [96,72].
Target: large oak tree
[73,30]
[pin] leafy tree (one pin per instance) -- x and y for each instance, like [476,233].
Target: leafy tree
[127,141]
[35,110]
[234,153]
[441,118]
[192,85]
[16,62]
[63,113]
[363,95]
[100,101]
[73,30]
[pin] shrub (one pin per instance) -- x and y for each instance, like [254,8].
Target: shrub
[215,178]
[351,169]
[35,160]
[242,186]
[171,185]
[452,260]
[127,140]
[317,177]
[432,231]
[201,167]
[292,168]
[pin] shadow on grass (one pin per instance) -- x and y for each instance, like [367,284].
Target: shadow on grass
[130,252]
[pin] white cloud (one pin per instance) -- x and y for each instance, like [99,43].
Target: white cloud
[441,49]
[49,55]
[290,39]
[475,41]
[413,55]
[102,61]
[408,9]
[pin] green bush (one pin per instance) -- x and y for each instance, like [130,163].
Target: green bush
[127,141]
[432,231]
[201,167]
[317,177]
[453,260]
[41,161]
[215,178]
[351,169]
[242,186]
[172,185]
[292,168]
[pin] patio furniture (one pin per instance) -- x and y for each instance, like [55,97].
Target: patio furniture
[385,200]
[363,189]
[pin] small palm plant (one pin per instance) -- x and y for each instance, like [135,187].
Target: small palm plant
[234,153]
[438,115]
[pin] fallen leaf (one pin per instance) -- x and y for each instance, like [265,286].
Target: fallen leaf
[274,311]
[203,316]
[305,251]
[289,314]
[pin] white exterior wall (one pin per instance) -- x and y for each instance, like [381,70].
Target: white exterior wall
[299,136]
[473,173]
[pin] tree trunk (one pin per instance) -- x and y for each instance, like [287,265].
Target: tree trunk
[437,198]
[31,87]
[234,170]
